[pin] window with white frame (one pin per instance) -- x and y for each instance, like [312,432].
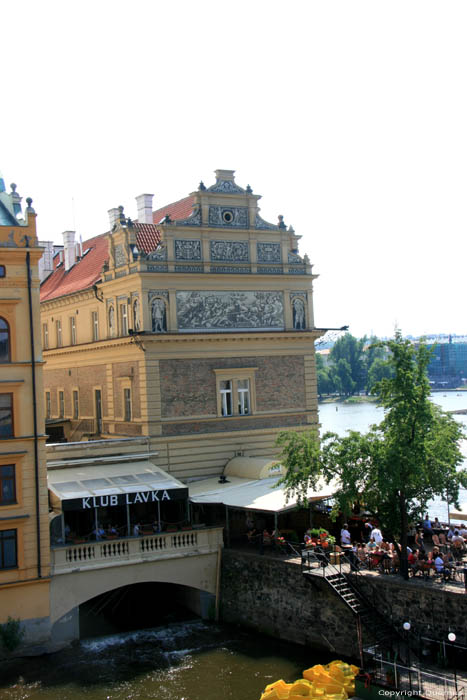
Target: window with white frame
[45,336]
[235,391]
[124,319]
[73,330]
[75,404]
[127,404]
[95,325]
[61,404]
[58,329]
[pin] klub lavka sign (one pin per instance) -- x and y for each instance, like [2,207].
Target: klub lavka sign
[125,499]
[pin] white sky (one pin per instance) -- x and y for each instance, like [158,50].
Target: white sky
[349,117]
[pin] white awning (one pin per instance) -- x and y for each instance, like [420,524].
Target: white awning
[122,483]
[258,494]
[461,514]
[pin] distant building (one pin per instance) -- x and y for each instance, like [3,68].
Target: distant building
[24,520]
[192,326]
[448,365]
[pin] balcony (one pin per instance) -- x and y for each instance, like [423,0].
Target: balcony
[135,550]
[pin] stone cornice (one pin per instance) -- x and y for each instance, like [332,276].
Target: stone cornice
[67,299]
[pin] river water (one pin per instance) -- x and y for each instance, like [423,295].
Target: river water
[361,416]
[191,660]
[181,661]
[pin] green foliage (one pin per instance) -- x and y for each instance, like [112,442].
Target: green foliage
[398,465]
[11,634]
[301,456]
[348,364]
[380,369]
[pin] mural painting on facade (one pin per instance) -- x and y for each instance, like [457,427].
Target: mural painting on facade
[268,252]
[236,217]
[230,310]
[187,249]
[231,251]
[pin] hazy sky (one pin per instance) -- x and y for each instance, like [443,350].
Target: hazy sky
[349,117]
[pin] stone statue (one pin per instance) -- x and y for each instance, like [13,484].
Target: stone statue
[298,314]
[111,321]
[158,316]
[136,315]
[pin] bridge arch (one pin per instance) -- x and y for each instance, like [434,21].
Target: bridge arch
[69,591]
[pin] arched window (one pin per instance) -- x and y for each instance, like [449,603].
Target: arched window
[4,341]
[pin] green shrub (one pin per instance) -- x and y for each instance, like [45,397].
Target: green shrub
[11,633]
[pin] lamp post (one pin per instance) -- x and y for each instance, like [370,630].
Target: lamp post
[407,627]
[452,639]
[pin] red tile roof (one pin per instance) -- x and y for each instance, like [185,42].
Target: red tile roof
[88,270]
[177,210]
[82,275]
[148,237]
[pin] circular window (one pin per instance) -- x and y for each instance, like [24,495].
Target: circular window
[227,216]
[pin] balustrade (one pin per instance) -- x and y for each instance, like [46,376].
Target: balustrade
[92,555]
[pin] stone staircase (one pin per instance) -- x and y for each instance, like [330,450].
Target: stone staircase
[379,635]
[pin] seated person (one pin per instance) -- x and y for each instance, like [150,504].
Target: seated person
[307,540]
[372,546]
[266,537]
[449,563]
[252,535]
[426,524]
[439,566]
[413,561]
[111,530]
[450,534]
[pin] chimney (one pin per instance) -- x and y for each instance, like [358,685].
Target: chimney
[46,263]
[144,204]
[69,249]
[114,216]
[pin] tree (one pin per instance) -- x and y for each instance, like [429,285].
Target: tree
[325,381]
[341,374]
[350,349]
[380,369]
[400,464]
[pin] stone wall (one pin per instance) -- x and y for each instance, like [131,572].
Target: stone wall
[273,597]
[432,611]
[230,424]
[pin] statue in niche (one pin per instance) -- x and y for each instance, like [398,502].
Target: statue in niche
[298,314]
[111,321]
[159,323]
[136,315]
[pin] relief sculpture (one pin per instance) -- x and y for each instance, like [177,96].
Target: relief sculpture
[229,310]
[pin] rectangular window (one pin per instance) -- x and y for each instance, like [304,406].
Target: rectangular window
[61,404]
[7,484]
[226,397]
[45,336]
[95,325]
[243,392]
[73,330]
[127,404]
[58,330]
[8,549]
[236,394]
[6,415]
[124,319]
[47,405]
[75,404]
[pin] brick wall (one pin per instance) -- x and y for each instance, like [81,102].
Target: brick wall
[85,378]
[188,387]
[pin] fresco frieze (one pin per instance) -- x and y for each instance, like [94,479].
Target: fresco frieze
[205,310]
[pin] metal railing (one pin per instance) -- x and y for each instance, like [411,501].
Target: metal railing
[414,681]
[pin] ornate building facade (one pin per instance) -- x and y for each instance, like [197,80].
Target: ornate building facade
[192,326]
[24,520]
